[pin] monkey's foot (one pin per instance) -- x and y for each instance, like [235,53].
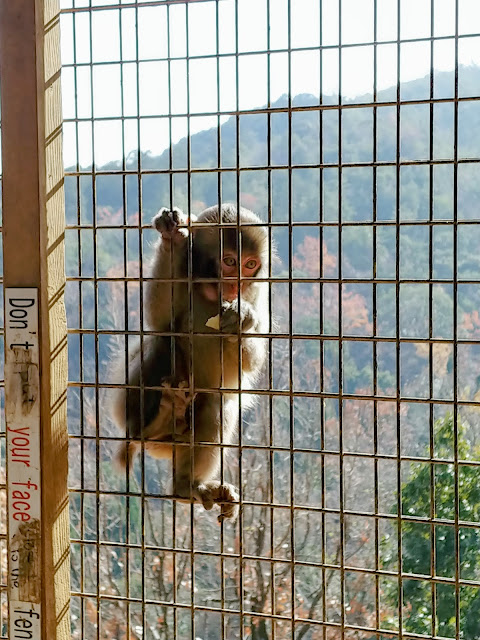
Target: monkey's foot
[167,223]
[179,398]
[225,495]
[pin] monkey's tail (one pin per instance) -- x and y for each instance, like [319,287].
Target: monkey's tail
[125,455]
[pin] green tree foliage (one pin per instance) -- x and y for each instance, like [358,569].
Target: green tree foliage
[418,550]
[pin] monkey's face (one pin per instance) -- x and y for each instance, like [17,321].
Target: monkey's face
[230,271]
[235,267]
[227,268]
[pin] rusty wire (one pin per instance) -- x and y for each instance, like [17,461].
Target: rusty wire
[132,600]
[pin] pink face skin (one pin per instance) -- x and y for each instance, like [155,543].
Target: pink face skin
[250,265]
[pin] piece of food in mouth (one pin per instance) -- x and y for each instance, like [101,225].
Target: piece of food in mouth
[213,322]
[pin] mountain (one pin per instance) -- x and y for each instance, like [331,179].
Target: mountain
[314,199]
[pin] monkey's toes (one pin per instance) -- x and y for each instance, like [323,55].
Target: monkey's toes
[228,511]
[225,495]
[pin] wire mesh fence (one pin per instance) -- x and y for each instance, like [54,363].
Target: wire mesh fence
[350,128]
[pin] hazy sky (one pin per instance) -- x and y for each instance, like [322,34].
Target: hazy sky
[108,37]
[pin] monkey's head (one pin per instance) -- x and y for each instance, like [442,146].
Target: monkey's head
[228,246]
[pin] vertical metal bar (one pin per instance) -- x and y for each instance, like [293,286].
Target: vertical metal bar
[458,630]
[240,437]
[397,335]
[125,315]
[340,332]
[80,325]
[322,332]
[374,319]
[430,325]
[290,323]
[172,348]
[271,457]
[142,327]
[98,549]
[222,382]
[190,330]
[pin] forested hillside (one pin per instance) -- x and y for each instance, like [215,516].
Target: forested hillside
[314,195]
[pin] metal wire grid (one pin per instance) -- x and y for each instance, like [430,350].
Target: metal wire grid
[140,560]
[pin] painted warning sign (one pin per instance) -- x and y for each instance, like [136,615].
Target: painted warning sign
[22,414]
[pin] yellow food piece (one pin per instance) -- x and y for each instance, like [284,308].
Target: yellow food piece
[213,322]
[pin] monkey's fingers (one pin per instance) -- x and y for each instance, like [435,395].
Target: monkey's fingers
[167,223]
[230,321]
[237,318]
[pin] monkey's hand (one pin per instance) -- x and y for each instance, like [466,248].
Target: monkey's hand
[237,317]
[171,225]
[225,495]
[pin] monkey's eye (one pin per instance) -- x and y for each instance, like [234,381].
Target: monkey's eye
[229,261]
[251,264]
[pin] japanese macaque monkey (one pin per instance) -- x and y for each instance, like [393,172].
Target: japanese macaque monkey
[182,398]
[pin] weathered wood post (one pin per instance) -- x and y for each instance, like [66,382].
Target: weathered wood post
[35,323]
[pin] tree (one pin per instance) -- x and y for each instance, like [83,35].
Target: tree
[417,539]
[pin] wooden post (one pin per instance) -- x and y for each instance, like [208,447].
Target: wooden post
[36,336]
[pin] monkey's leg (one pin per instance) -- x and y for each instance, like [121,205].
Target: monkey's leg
[172,422]
[208,492]
[254,351]
[170,261]
[138,407]
[205,461]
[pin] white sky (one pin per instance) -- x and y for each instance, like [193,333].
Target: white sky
[102,44]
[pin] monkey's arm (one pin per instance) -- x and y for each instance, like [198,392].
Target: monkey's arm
[254,351]
[249,318]
[170,262]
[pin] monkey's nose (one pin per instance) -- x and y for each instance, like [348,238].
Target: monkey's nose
[230,292]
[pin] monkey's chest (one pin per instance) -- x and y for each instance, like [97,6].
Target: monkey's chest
[215,362]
